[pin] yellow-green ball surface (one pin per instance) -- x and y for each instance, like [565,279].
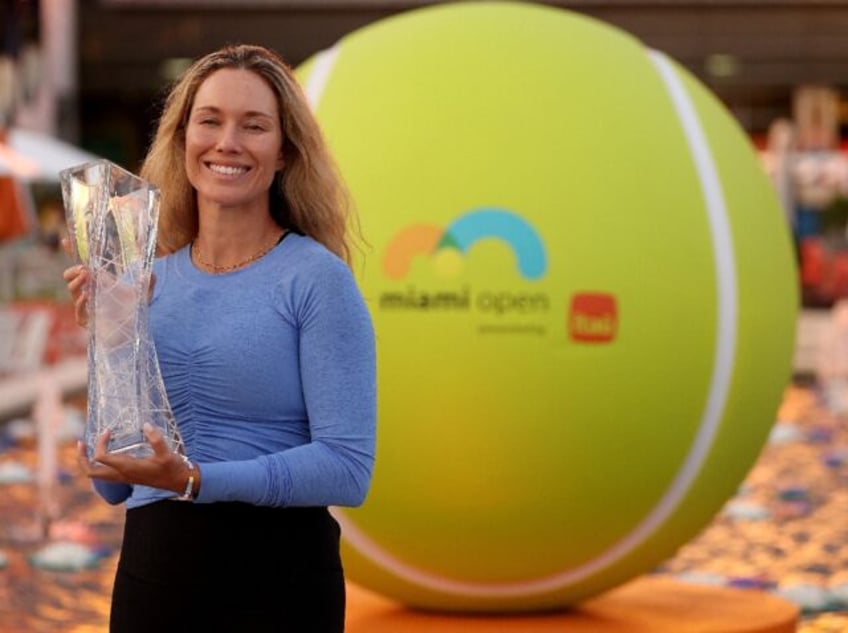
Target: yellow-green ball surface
[584,297]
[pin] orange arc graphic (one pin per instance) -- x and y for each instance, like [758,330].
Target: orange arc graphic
[413,240]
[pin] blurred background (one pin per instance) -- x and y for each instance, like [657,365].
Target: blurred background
[84,79]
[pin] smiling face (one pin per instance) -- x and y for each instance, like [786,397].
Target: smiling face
[233,140]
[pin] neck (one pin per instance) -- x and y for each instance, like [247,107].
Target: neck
[217,253]
[232,235]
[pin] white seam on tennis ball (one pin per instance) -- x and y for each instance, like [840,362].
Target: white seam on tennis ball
[317,80]
[711,417]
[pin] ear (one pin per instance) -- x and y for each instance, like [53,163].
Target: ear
[280,161]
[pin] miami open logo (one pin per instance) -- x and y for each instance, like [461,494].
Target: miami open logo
[504,306]
[446,246]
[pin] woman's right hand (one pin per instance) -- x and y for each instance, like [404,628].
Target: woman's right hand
[76,277]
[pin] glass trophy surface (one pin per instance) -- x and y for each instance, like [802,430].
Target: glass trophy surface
[112,217]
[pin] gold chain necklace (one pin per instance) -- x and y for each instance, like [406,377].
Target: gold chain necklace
[219,270]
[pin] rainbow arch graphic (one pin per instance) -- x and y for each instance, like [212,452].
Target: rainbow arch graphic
[461,235]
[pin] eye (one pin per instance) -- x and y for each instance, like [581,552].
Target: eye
[204,120]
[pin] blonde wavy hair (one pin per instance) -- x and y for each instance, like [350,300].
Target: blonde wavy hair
[308,195]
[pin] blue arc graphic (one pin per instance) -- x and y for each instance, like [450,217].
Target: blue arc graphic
[504,225]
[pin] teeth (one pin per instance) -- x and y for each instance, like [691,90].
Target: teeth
[228,171]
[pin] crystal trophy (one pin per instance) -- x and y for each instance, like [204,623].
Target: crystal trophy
[112,217]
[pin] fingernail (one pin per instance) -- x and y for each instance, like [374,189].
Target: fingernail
[147,427]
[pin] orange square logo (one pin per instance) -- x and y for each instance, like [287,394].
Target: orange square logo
[593,317]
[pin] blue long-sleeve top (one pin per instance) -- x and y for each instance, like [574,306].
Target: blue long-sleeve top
[270,372]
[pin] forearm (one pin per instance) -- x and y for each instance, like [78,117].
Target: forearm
[314,474]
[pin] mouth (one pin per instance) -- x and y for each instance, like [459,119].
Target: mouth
[227,170]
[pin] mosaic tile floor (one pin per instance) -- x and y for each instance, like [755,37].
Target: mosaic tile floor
[786,531]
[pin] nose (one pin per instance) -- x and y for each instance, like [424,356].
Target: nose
[228,139]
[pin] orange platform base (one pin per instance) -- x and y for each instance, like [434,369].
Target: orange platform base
[651,604]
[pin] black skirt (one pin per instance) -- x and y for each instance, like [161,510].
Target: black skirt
[228,567]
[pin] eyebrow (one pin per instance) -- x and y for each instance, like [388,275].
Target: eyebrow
[250,113]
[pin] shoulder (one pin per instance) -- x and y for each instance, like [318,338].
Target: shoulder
[163,267]
[311,250]
[309,273]
[305,257]
[160,262]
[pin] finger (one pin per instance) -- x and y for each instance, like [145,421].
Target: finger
[82,458]
[92,470]
[76,276]
[81,309]
[101,453]
[81,298]
[76,289]
[155,438]
[71,272]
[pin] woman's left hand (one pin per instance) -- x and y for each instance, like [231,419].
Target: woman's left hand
[165,469]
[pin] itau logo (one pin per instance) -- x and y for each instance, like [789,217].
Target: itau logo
[593,317]
[446,246]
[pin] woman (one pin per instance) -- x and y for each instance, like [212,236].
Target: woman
[267,353]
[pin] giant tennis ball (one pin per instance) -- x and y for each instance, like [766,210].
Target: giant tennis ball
[584,296]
